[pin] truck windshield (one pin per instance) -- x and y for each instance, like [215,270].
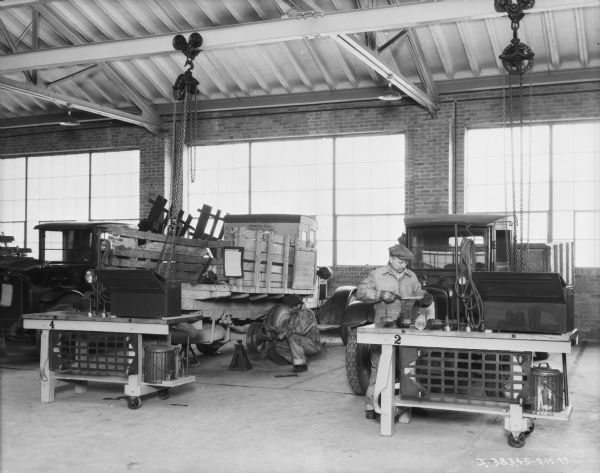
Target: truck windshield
[435,248]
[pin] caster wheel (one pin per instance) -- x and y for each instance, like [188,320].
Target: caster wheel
[134,403]
[164,394]
[530,429]
[516,442]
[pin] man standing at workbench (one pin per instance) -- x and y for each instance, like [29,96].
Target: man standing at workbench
[387,286]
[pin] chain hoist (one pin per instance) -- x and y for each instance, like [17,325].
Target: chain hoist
[184,125]
[517,59]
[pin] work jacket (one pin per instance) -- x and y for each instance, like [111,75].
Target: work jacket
[302,322]
[406,284]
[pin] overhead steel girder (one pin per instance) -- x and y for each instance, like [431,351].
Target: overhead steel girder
[152,124]
[382,69]
[306,26]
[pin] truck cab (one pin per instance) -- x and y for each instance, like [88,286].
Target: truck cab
[56,278]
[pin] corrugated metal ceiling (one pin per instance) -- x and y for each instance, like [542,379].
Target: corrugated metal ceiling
[113,58]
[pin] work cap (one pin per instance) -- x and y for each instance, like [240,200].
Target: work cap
[291,300]
[401,251]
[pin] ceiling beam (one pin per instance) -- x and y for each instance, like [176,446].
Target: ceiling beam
[497,48]
[422,67]
[13,47]
[397,80]
[581,41]
[126,89]
[152,124]
[285,29]
[441,45]
[464,30]
[551,39]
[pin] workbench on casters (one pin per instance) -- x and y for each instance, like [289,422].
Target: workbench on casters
[129,364]
[506,346]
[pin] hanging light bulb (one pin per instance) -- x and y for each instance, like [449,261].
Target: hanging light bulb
[69,120]
[390,94]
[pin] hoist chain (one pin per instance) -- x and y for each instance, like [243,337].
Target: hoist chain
[521,180]
[178,134]
[194,140]
[506,239]
[530,164]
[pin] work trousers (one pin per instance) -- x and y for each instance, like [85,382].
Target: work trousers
[375,355]
[295,348]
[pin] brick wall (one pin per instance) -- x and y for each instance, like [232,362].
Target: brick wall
[434,150]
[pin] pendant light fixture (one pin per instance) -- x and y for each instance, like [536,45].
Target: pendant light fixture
[391,94]
[69,120]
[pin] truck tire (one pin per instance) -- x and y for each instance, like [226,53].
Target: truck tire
[255,339]
[345,333]
[358,364]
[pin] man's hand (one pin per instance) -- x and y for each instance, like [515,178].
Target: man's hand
[426,301]
[387,297]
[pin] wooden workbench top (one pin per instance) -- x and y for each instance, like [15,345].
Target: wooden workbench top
[82,317]
[467,340]
[462,334]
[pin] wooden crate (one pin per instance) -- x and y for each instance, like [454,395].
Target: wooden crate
[188,258]
[272,263]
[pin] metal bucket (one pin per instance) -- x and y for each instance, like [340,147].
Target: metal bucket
[547,390]
[159,363]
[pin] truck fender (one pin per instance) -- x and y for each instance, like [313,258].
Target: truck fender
[58,296]
[357,313]
[332,310]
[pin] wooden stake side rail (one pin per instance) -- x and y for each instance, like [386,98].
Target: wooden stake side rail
[134,386]
[516,420]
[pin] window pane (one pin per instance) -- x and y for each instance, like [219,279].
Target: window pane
[370,174]
[292,176]
[58,188]
[365,240]
[115,185]
[562,226]
[15,230]
[12,193]
[221,179]
[497,180]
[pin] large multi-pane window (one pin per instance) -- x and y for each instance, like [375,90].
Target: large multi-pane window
[67,187]
[354,186]
[369,197]
[551,179]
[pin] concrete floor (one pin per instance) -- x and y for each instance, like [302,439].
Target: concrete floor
[245,422]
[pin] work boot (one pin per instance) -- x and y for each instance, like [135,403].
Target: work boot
[300,368]
[370,414]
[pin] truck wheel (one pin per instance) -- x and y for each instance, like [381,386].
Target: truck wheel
[358,364]
[255,339]
[344,333]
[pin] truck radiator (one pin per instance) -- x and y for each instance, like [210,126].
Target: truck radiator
[440,374]
[94,353]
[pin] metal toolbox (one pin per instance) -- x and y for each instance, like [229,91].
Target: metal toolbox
[526,302]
